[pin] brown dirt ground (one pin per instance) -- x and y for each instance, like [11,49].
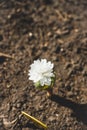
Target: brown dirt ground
[51,29]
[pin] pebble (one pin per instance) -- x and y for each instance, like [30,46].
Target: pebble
[30,34]
[18,105]
[70,94]
[51,118]
[61,49]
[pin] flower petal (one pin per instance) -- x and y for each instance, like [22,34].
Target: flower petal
[42,71]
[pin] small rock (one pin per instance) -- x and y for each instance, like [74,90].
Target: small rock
[30,34]
[49,34]
[18,105]
[61,49]
[51,118]
[70,94]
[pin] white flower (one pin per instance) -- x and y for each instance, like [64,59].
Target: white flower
[41,71]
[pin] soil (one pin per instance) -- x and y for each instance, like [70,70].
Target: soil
[57,31]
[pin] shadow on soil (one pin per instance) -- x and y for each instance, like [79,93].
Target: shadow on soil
[80,110]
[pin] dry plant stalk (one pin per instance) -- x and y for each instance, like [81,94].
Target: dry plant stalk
[5,55]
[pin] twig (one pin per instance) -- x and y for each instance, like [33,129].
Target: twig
[5,55]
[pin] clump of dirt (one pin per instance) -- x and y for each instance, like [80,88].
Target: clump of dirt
[57,31]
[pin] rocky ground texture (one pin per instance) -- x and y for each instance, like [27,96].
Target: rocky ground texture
[51,29]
